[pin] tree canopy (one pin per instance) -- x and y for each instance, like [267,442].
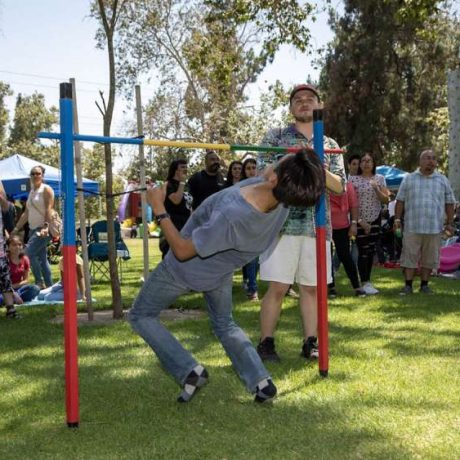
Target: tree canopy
[384,76]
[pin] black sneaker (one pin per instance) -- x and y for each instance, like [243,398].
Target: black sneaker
[360,293]
[332,293]
[266,350]
[406,290]
[310,348]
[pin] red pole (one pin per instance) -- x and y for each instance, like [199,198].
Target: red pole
[71,337]
[321,256]
[321,291]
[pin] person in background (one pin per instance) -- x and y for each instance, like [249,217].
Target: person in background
[294,256]
[251,268]
[207,181]
[395,244]
[423,198]
[343,229]
[9,217]
[234,173]
[178,202]
[6,287]
[372,193]
[353,164]
[38,214]
[55,293]
[19,266]
[353,167]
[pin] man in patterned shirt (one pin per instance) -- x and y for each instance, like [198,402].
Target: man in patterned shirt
[424,196]
[293,258]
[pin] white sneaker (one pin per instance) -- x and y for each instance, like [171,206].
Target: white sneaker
[369,289]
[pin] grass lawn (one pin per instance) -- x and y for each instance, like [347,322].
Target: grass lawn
[393,390]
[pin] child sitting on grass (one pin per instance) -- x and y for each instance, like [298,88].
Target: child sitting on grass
[55,293]
[19,266]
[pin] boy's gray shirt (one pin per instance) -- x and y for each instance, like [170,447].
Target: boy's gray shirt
[227,233]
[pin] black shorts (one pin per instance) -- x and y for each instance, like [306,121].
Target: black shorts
[5,279]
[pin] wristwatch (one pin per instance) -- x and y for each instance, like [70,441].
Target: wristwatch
[160,217]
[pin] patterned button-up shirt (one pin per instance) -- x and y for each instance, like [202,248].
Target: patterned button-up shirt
[425,199]
[301,221]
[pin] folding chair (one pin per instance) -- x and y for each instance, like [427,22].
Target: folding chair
[98,251]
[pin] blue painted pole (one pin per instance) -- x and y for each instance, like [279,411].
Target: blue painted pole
[321,256]
[97,139]
[69,253]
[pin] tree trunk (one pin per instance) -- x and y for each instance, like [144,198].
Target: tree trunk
[453,86]
[108,114]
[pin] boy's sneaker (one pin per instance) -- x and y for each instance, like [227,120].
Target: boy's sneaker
[266,350]
[265,391]
[360,292]
[197,378]
[253,297]
[244,285]
[332,293]
[310,348]
[406,290]
[426,290]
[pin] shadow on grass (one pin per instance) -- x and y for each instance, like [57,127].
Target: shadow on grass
[128,409]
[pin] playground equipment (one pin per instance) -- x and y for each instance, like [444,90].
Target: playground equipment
[67,139]
[130,204]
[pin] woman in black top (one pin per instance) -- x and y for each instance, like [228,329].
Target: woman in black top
[178,202]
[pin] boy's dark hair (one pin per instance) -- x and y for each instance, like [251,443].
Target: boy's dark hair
[301,179]
[174,166]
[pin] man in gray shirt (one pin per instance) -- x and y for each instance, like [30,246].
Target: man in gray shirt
[229,229]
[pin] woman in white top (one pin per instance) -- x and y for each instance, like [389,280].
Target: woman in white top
[38,214]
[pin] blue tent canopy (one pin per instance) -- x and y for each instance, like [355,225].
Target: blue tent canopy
[393,176]
[15,176]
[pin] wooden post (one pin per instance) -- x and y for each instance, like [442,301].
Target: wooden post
[140,132]
[81,207]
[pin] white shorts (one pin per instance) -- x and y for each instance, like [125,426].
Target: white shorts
[293,259]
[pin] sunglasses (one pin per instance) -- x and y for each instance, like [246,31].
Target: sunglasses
[36,174]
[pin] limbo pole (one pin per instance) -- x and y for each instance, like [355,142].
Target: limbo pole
[181,144]
[321,256]
[69,253]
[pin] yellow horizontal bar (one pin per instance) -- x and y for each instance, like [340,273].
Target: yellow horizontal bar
[186,145]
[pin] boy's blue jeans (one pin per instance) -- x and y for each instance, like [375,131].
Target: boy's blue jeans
[161,290]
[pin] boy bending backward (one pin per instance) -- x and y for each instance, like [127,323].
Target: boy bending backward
[228,230]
